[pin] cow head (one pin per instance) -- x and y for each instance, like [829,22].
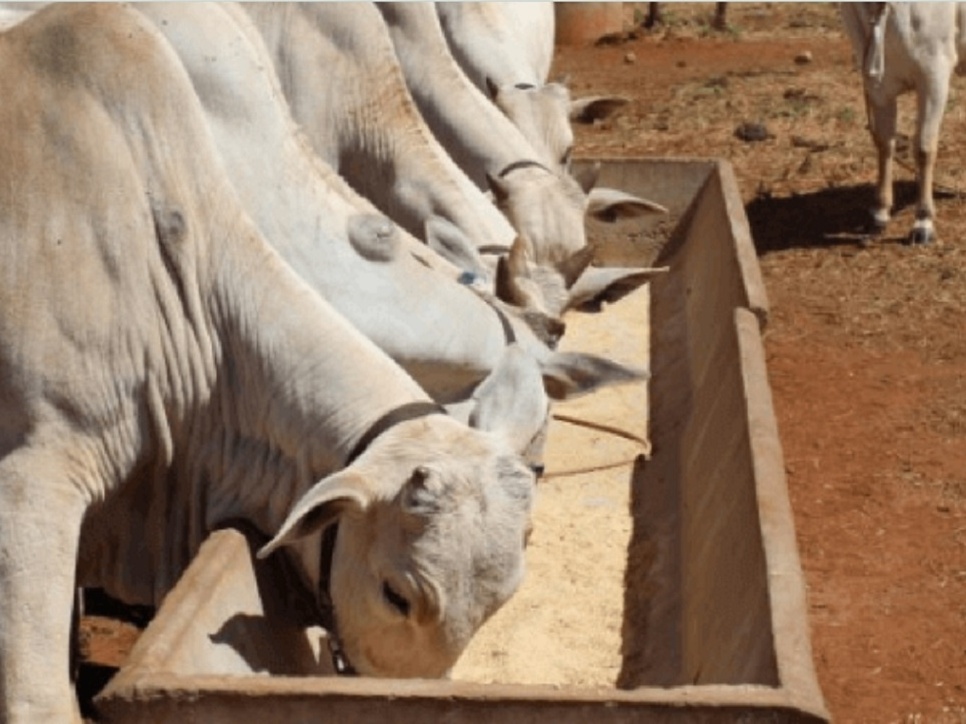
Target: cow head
[542,113]
[432,521]
[553,290]
[549,210]
[546,209]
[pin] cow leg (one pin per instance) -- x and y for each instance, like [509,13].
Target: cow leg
[40,520]
[882,126]
[931,104]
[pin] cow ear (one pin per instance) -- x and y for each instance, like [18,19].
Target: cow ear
[570,374]
[609,283]
[606,204]
[595,108]
[451,243]
[340,493]
[587,176]
[511,400]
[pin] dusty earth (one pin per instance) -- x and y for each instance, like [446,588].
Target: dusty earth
[865,354]
[865,344]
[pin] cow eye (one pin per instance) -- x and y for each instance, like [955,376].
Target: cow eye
[395,599]
[565,159]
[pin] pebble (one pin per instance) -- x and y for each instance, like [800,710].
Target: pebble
[753,132]
[804,58]
[630,57]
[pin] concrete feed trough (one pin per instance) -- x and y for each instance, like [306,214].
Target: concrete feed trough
[713,618]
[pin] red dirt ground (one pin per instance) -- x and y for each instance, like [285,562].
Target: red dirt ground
[865,344]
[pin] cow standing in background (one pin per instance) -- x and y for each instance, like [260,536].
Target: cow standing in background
[903,47]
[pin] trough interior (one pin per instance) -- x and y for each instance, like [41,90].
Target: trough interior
[712,601]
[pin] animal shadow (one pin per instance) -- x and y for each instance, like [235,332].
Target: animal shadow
[827,218]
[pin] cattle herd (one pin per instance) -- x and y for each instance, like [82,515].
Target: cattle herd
[304,266]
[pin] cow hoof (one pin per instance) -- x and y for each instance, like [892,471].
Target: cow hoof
[921,235]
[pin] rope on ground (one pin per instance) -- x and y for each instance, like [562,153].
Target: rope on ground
[645,447]
[588,469]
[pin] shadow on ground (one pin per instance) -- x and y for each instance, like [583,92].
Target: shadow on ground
[824,219]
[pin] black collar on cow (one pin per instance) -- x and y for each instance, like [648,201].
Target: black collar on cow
[280,574]
[508,334]
[326,606]
[524,163]
[493,249]
[402,413]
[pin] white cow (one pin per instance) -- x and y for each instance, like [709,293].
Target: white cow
[447,336]
[338,69]
[506,49]
[339,72]
[904,47]
[162,370]
[547,208]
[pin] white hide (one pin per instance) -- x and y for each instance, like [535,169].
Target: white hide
[902,47]
[444,334]
[162,370]
[505,49]
[339,73]
[545,207]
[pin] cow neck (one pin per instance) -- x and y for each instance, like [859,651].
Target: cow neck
[402,413]
[509,336]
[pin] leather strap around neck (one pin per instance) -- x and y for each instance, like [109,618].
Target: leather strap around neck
[509,335]
[326,607]
[403,413]
[524,163]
